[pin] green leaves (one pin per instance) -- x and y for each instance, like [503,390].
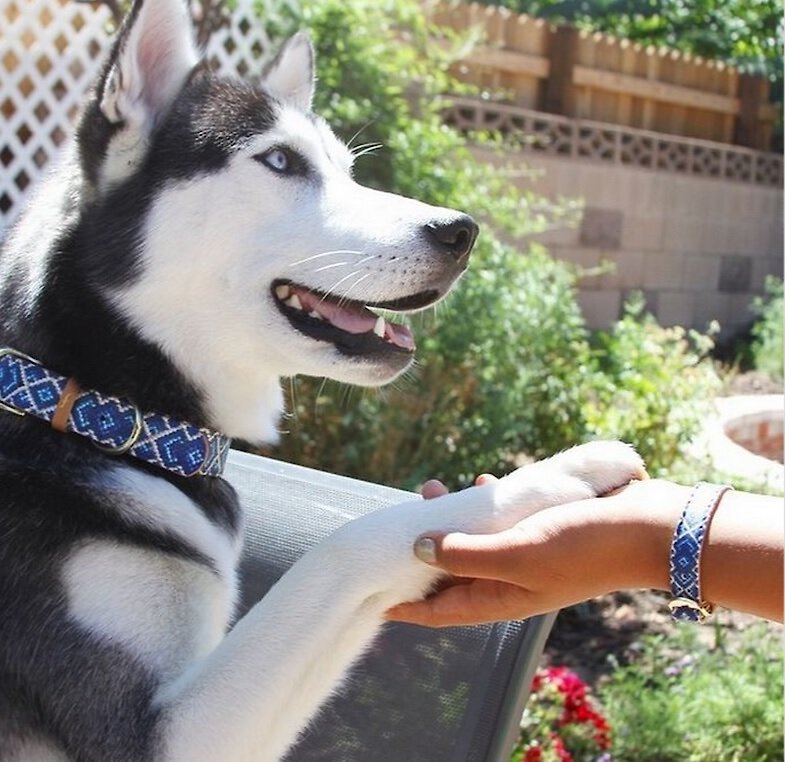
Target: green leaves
[654,386]
[767,333]
[681,700]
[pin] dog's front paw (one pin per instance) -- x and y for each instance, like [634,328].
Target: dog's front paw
[603,466]
[582,472]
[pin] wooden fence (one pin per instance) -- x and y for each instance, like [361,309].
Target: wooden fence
[562,70]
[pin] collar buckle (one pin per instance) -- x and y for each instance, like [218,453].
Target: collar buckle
[133,438]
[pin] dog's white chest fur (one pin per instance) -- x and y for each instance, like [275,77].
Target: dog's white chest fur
[164,609]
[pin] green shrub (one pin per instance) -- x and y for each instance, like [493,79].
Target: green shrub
[680,701]
[767,333]
[653,387]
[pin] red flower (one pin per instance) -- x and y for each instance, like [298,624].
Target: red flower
[533,754]
[566,682]
[560,689]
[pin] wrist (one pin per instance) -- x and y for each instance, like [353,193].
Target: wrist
[642,519]
[742,561]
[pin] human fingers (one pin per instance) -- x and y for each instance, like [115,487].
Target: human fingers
[433,488]
[478,556]
[475,602]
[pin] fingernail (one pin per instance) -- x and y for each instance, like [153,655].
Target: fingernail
[425,550]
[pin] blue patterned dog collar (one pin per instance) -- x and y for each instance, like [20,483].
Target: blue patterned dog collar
[687,604]
[114,425]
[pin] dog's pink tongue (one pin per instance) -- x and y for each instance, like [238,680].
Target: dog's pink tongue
[354,319]
[349,318]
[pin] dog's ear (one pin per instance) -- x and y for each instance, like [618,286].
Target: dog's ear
[290,76]
[153,56]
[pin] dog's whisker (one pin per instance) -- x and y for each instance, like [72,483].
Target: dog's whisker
[364,145]
[358,133]
[293,397]
[368,149]
[345,296]
[318,396]
[331,290]
[369,258]
[334,264]
[365,148]
[348,392]
[335,252]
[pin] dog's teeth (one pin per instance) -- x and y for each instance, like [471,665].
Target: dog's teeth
[294,302]
[314,314]
[380,327]
[282,292]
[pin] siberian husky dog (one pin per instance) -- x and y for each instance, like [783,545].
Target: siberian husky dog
[202,238]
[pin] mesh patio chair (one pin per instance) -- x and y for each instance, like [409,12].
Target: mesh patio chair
[420,695]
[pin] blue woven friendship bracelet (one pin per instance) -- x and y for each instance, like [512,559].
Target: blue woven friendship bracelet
[114,425]
[687,604]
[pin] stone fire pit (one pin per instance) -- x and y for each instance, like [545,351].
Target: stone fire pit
[746,438]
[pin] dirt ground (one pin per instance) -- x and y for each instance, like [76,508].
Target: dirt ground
[586,635]
[752,383]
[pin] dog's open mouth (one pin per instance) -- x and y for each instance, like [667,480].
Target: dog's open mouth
[349,325]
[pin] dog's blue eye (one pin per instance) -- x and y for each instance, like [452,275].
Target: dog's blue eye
[276,159]
[284,161]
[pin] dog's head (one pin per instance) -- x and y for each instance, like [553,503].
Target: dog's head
[249,251]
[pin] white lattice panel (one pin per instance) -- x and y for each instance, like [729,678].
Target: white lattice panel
[243,45]
[50,50]
[50,53]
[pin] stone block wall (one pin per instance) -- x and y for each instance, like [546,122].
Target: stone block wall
[698,248]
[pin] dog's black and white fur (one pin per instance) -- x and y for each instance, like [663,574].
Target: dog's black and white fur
[202,238]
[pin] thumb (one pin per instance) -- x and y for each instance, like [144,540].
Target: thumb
[483,556]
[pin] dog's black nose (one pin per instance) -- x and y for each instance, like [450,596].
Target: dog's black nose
[456,236]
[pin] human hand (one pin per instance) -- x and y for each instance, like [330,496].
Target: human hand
[554,558]
[433,488]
